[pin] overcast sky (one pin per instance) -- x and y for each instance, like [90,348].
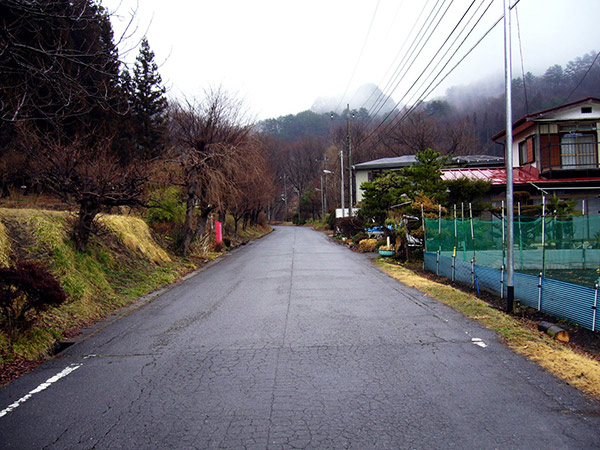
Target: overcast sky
[280,55]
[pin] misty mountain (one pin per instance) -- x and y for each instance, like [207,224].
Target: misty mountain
[471,113]
[367,96]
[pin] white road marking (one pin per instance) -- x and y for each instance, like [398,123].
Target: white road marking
[479,342]
[66,371]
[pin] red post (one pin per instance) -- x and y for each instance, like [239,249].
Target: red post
[218,231]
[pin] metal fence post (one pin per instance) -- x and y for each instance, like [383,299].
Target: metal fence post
[540,292]
[453,265]
[473,272]
[437,262]
[595,308]
[502,282]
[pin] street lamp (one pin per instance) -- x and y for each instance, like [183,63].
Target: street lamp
[285,195]
[322,161]
[324,192]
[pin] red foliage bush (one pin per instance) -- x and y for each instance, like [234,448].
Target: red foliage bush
[26,287]
[349,226]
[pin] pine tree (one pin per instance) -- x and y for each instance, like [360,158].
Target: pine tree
[126,130]
[149,104]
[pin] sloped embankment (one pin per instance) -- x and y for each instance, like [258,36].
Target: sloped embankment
[122,263]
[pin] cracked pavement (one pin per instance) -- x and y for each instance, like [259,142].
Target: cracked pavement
[294,342]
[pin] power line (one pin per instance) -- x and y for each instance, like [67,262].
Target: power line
[522,64]
[448,49]
[430,89]
[403,67]
[584,75]
[359,56]
[381,94]
[433,58]
[438,74]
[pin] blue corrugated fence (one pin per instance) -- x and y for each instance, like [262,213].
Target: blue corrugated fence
[557,298]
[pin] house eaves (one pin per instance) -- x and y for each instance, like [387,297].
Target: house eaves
[408,160]
[387,163]
[521,125]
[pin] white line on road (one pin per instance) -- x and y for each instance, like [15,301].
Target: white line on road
[479,342]
[66,371]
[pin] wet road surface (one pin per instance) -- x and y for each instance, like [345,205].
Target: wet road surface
[293,342]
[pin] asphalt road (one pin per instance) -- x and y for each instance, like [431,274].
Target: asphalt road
[293,342]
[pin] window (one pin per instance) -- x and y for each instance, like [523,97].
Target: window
[527,151]
[577,151]
[522,153]
[586,110]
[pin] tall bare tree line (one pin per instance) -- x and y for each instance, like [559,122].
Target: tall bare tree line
[74,122]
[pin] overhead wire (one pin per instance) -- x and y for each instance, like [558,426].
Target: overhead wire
[420,76]
[522,63]
[395,17]
[400,52]
[408,91]
[584,75]
[407,62]
[359,56]
[431,87]
[435,68]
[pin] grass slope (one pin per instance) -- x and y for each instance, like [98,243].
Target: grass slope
[121,263]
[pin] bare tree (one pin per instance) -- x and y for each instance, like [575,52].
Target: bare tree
[90,176]
[208,137]
[302,162]
[460,139]
[415,133]
[254,188]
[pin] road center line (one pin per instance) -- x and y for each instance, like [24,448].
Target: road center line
[46,384]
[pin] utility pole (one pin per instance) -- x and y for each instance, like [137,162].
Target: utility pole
[508,156]
[342,176]
[323,170]
[342,181]
[285,196]
[349,140]
[326,172]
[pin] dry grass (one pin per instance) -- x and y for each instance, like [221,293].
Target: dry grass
[118,266]
[4,246]
[25,213]
[577,369]
[135,235]
[367,245]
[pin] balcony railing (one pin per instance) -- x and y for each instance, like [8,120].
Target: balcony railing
[574,157]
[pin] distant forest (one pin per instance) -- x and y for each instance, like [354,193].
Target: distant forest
[461,122]
[78,124]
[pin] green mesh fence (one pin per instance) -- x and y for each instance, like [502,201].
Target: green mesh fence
[565,249]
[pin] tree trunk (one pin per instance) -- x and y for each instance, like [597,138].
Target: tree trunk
[223,219]
[188,226]
[201,227]
[88,210]
[236,221]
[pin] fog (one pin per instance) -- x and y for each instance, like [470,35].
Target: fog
[281,57]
